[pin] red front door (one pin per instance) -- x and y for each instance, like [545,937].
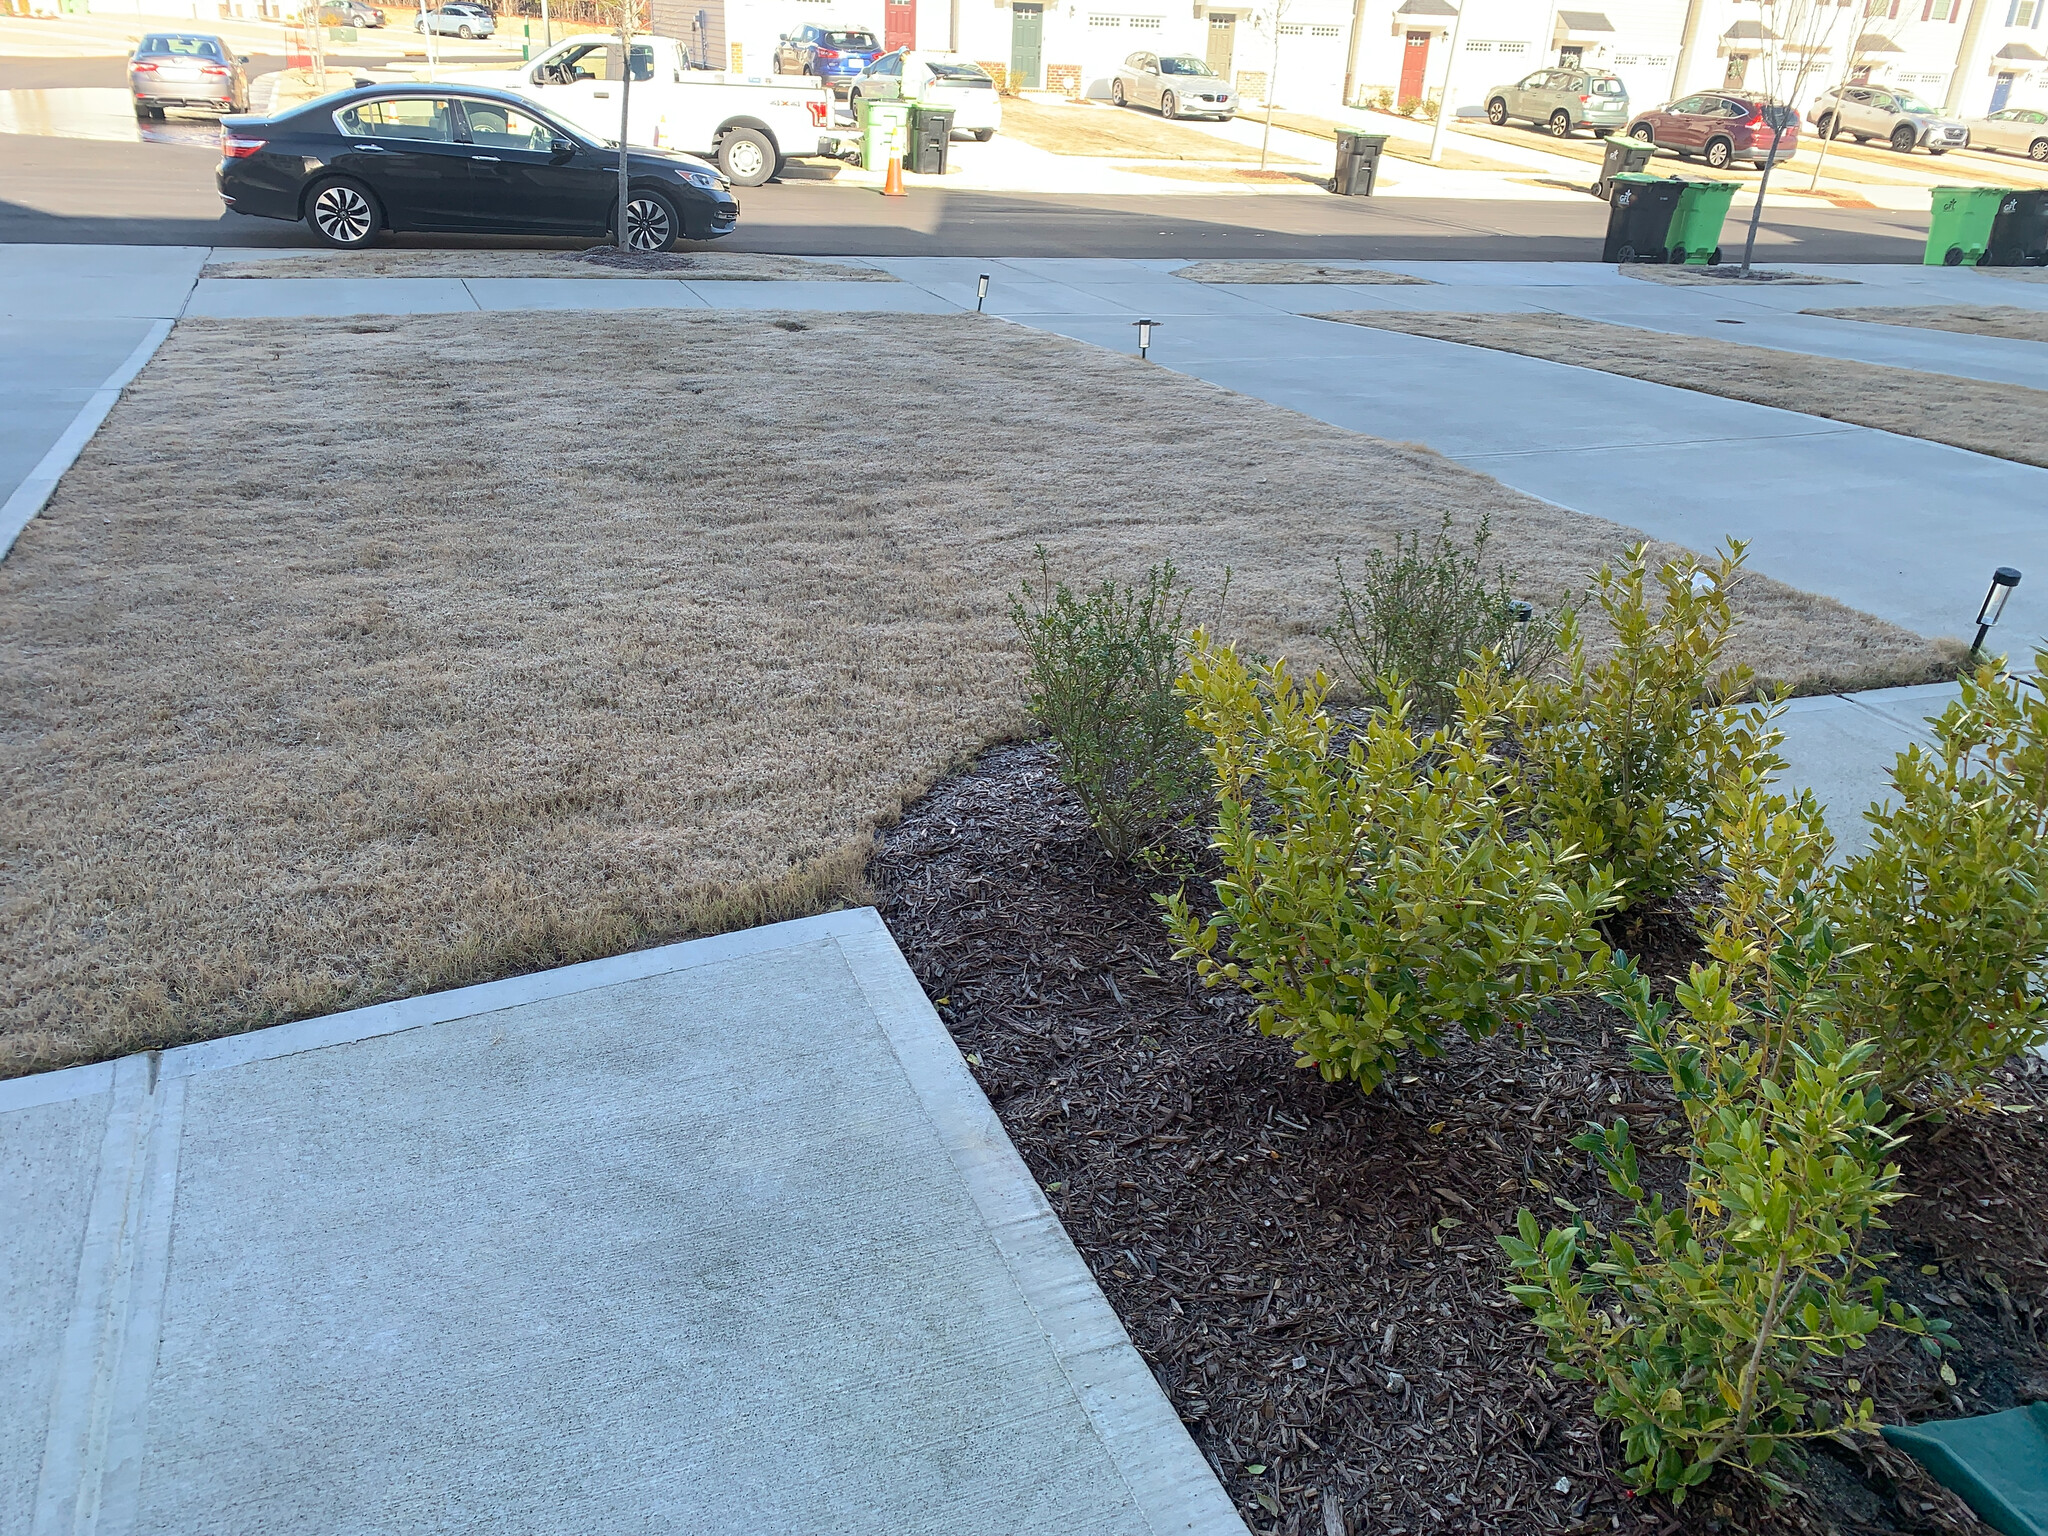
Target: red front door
[899,24]
[1414,64]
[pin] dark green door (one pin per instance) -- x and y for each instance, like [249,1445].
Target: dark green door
[1027,45]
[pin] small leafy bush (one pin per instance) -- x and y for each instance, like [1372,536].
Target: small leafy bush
[1701,1323]
[1378,893]
[1102,669]
[1424,613]
[1949,905]
[1629,755]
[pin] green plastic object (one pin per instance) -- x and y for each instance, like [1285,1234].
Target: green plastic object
[1997,1463]
[884,131]
[1959,228]
[1696,223]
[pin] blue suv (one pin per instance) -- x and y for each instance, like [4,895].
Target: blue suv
[834,54]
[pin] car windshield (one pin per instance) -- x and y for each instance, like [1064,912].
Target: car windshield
[184,47]
[962,74]
[1908,102]
[850,39]
[1183,64]
[1609,87]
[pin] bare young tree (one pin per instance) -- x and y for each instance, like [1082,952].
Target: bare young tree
[1856,60]
[628,12]
[1796,33]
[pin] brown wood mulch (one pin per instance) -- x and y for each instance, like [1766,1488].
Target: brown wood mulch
[1312,1273]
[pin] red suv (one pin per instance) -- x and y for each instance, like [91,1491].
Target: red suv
[1721,126]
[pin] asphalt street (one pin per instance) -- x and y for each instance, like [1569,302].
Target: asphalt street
[84,191]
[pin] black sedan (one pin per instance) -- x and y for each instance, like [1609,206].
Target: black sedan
[461,160]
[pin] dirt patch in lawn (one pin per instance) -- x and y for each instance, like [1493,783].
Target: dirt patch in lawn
[1724,275]
[1121,134]
[1237,174]
[599,261]
[1291,272]
[2016,274]
[2001,320]
[1312,1274]
[2007,421]
[617,632]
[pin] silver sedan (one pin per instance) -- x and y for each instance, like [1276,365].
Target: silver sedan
[2016,130]
[1178,84]
[186,69]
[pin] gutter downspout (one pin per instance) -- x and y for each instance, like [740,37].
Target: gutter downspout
[1973,30]
[1688,44]
[1350,56]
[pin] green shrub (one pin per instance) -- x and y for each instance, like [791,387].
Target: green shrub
[1950,902]
[1102,669]
[1424,613]
[1378,893]
[1701,1323]
[1629,755]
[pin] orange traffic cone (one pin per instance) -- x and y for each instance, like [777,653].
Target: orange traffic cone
[892,183]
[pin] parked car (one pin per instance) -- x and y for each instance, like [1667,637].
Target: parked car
[1900,118]
[938,80]
[836,55]
[2016,130]
[1562,100]
[747,123]
[350,13]
[186,69]
[1177,84]
[458,18]
[1721,127]
[463,160]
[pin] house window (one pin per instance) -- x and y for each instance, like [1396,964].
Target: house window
[1478,47]
[1325,31]
[2023,13]
[1510,47]
[1290,29]
[1104,21]
[1144,23]
[1658,60]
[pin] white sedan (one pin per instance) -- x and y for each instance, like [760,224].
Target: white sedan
[2017,130]
[938,80]
[1178,84]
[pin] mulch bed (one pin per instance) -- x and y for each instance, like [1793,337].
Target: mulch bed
[1312,1273]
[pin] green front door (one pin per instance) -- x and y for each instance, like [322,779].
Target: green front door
[1027,45]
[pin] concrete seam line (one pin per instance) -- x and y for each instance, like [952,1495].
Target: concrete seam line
[1171,1482]
[30,496]
[111,1339]
[407,1013]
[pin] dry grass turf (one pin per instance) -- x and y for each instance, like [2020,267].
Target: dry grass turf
[1119,133]
[309,702]
[2007,421]
[2001,320]
[1728,274]
[1289,272]
[598,261]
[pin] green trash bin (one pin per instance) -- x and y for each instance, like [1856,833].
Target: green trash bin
[1998,1462]
[1696,222]
[884,131]
[1959,230]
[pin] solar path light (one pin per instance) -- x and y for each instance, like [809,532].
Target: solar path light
[980,291]
[1144,336]
[2003,580]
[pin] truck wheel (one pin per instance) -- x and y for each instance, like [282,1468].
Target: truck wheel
[1497,112]
[747,156]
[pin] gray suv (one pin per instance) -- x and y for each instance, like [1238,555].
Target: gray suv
[1900,118]
[1562,100]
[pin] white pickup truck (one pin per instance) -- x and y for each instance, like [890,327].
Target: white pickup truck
[749,124]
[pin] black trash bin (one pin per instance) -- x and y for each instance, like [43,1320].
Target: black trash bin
[1358,163]
[931,136]
[2019,231]
[1639,217]
[1622,154]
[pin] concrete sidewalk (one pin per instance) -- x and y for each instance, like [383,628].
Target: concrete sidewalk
[714,1238]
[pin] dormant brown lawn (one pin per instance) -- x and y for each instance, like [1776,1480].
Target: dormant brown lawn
[599,261]
[2002,320]
[2007,421]
[357,658]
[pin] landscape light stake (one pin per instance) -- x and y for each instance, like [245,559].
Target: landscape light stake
[2003,580]
[980,291]
[1144,336]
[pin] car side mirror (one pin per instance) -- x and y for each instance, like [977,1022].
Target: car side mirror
[241,58]
[560,150]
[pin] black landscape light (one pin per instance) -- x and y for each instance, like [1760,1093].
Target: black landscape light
[1144,335]
[2003,580]
[980,291]
[1521,611]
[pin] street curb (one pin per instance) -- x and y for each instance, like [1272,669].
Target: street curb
[30,496]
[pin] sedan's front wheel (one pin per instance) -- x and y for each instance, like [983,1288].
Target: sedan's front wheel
[1168,107]
[344,214]
[1497,112]
[1116,93]
[464,33]
[652,223]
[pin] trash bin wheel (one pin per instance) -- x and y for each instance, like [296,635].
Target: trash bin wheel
[1675,256]
[1715,259]
[1626,254]
[1952,257]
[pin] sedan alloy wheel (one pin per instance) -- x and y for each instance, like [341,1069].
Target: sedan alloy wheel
[342,214]
[650,223]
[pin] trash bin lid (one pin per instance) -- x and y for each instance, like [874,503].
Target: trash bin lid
[1997,1462]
